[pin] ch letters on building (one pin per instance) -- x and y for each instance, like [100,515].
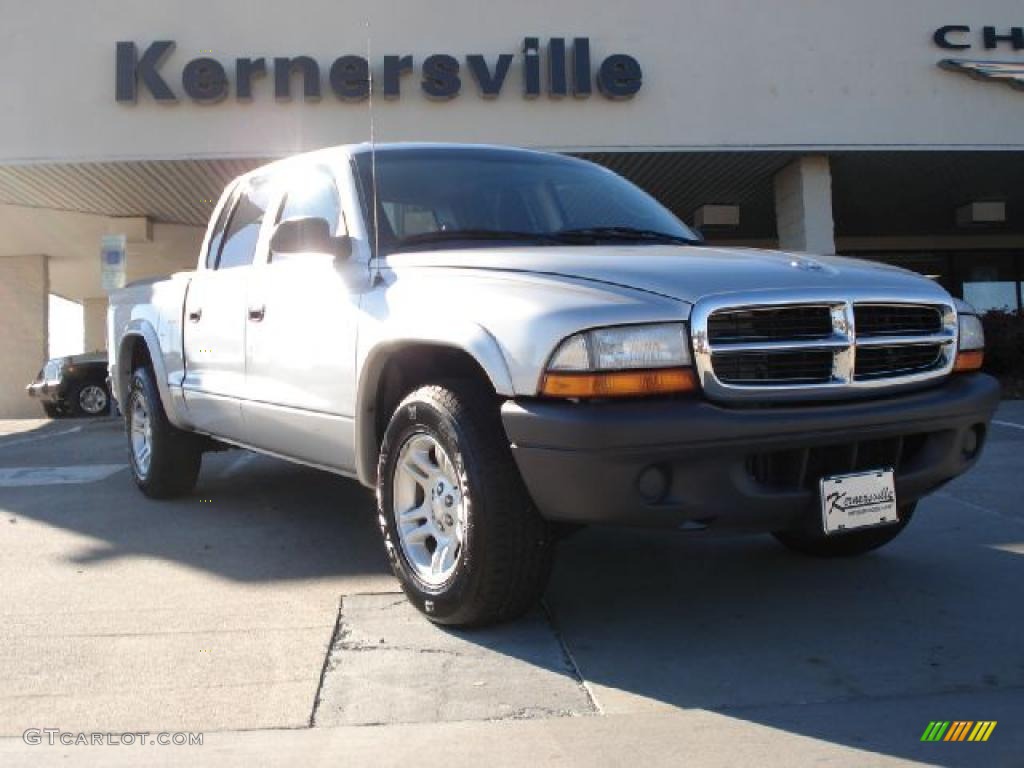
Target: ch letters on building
[558,69]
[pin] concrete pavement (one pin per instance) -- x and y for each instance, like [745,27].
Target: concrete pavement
[226,613]
[206,613]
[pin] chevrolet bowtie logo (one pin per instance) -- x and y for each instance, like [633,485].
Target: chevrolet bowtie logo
[1009,72]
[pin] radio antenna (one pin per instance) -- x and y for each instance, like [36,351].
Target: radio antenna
[375,256]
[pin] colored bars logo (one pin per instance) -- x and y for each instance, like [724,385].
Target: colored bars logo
[958,730]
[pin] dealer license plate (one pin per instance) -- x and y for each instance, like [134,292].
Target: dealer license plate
[861,500]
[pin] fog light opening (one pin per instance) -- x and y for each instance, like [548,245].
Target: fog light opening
[973,439]
[653,483]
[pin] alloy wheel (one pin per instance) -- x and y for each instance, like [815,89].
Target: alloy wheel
[429,507]
[141,430]
[93,399]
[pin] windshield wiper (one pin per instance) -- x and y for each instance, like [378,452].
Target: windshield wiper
[631,234]
[558,237]
[448,235]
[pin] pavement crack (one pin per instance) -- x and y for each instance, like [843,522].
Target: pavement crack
[335,639]
[534,713]
[570,661]
[361,647]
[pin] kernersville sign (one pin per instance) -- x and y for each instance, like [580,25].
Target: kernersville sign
[563,69]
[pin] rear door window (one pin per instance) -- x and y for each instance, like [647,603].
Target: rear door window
[243,230]
[217,237]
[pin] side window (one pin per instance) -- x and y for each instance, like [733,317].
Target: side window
[313,193]
[217,236]
[243,230]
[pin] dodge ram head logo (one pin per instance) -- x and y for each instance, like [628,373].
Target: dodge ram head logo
[1009,72]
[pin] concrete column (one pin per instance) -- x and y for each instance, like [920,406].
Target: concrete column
[94,324]
[803,206]
[24,300]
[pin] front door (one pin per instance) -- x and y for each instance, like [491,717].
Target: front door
[301,339]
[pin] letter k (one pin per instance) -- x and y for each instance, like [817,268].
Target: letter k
[130,68]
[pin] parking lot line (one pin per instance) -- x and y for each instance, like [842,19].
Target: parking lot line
[33,476]
[34,438]
[1008,424]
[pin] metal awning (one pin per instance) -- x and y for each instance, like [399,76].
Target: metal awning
[874,193]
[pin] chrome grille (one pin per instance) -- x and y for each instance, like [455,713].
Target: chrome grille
[896,319]
[875,362]
[769,324]
[819,348]
[803,366]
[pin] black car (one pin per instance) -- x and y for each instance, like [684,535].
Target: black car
[73,386]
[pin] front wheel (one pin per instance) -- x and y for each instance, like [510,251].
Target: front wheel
[165,460]
[90,399]
[462,535]
[851,544]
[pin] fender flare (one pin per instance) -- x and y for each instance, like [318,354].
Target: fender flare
[470,338]
[142,331]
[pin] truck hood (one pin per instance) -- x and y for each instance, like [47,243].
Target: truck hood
[685,273]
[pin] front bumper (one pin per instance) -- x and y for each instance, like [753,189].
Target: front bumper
[696,464]
[46,391]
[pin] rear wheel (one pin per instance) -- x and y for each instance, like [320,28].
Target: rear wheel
[461,532]
[165,460]
[817,544]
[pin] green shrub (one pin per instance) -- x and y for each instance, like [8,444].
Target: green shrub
[1004,344]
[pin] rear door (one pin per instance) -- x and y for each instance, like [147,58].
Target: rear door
[215,314]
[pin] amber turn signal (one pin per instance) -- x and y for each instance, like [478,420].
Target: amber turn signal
[969,360]
[620,383]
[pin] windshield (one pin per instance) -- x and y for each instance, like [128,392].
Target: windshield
[468,197]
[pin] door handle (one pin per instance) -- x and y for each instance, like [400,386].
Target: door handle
[256,313]
[195,315]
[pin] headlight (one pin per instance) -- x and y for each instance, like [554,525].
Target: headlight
[972,333]
[621,362]
[971,354]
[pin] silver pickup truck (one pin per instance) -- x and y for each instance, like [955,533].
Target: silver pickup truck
[506,344]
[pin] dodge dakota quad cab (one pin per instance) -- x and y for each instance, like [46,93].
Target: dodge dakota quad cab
[506,343]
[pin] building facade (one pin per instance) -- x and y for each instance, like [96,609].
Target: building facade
[886,131]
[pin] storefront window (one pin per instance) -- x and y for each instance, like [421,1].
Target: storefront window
[990,281]
[936,266]
[986,280]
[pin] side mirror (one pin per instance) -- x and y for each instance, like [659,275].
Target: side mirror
[309,234]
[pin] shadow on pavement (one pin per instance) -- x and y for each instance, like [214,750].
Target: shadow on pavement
[861,652]
[249,518]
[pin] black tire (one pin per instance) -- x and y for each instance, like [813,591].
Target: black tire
[507,548]
[817,544]
[52,410]
[75,405]
[175,456]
